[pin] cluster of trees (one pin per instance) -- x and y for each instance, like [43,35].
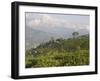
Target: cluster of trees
[60,52]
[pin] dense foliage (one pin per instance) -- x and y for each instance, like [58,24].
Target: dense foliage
[59,52]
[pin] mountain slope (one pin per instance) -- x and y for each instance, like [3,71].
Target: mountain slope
[36,36]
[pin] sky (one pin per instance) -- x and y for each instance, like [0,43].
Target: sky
[73,21]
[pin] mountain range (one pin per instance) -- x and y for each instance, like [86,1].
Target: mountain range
[38,35]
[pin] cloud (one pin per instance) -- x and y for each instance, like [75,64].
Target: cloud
[35,23]
[47,20]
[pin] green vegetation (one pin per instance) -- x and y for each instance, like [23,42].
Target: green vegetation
[60,52]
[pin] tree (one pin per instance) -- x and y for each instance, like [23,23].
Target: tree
[75,34]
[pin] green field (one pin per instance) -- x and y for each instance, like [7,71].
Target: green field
[59,52]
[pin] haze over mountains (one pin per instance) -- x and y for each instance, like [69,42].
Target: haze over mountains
[42,27]
[34,36]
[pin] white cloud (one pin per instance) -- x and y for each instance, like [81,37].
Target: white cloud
[34,23]
[50,21]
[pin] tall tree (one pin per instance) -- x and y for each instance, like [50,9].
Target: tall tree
[75,34]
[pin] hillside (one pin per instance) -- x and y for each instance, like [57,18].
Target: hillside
[59,52]
[37,35]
